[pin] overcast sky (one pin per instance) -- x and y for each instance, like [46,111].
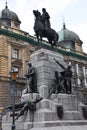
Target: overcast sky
[72,12]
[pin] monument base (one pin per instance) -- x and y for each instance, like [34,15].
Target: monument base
[61,111]
[81,127]
[56,111]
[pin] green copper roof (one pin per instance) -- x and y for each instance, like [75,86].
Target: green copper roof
[67,35]
[7,14]
[33,42]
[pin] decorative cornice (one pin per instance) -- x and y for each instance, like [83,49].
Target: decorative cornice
[42,45]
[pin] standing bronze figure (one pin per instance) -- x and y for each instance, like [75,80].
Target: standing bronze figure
[58,86]
[31,79]
[67,75]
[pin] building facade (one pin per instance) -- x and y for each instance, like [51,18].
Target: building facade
[16,47]
[14,53]
[70,46]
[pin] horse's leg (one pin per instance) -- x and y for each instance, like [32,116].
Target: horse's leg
[55,44]
[37,37]
[51,44]
[40,34]
[40,41]
[41,38]
[56,39]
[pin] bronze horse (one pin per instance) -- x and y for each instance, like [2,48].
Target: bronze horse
[41,32]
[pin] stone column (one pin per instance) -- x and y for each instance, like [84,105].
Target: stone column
[23,60]
[9,58]
[77,72]
[43,90]
[84,74]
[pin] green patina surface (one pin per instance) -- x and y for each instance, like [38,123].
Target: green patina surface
[33,42]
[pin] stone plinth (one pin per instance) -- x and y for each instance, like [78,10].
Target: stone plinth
[45,65]
[48,109]
[60,111]
[61,127]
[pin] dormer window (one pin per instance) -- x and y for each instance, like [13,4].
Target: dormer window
[16,53]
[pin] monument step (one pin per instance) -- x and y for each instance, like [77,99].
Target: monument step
[61,123]
[72,115]
[62,128]
[45,115]
[49,115]
[49,125]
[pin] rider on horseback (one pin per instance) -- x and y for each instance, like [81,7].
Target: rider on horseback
[42,27]
[45,19]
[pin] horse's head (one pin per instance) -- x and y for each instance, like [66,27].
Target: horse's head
[35,13]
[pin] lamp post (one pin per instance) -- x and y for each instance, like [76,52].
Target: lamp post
[13,74]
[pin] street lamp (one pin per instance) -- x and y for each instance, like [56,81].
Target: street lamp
[13,74]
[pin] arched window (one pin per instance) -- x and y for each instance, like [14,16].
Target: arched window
[16,53]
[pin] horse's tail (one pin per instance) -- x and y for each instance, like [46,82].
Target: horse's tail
[57,36]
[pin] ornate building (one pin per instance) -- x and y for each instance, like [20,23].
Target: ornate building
[70,46]
[14,53]
[17,45]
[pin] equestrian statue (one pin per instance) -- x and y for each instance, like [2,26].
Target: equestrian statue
[43,28]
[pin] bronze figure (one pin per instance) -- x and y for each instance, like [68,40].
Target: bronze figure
[45,19]
[42,27]
[67,75]
[58,86]
[22,106]
[31,79]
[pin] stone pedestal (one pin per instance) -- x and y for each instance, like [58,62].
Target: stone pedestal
[55,112]
[59,110]
[45,66]
[50,110]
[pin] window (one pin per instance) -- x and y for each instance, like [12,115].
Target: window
[16,53]
[81,82]
[86,71]
[74,69]
[80,70]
